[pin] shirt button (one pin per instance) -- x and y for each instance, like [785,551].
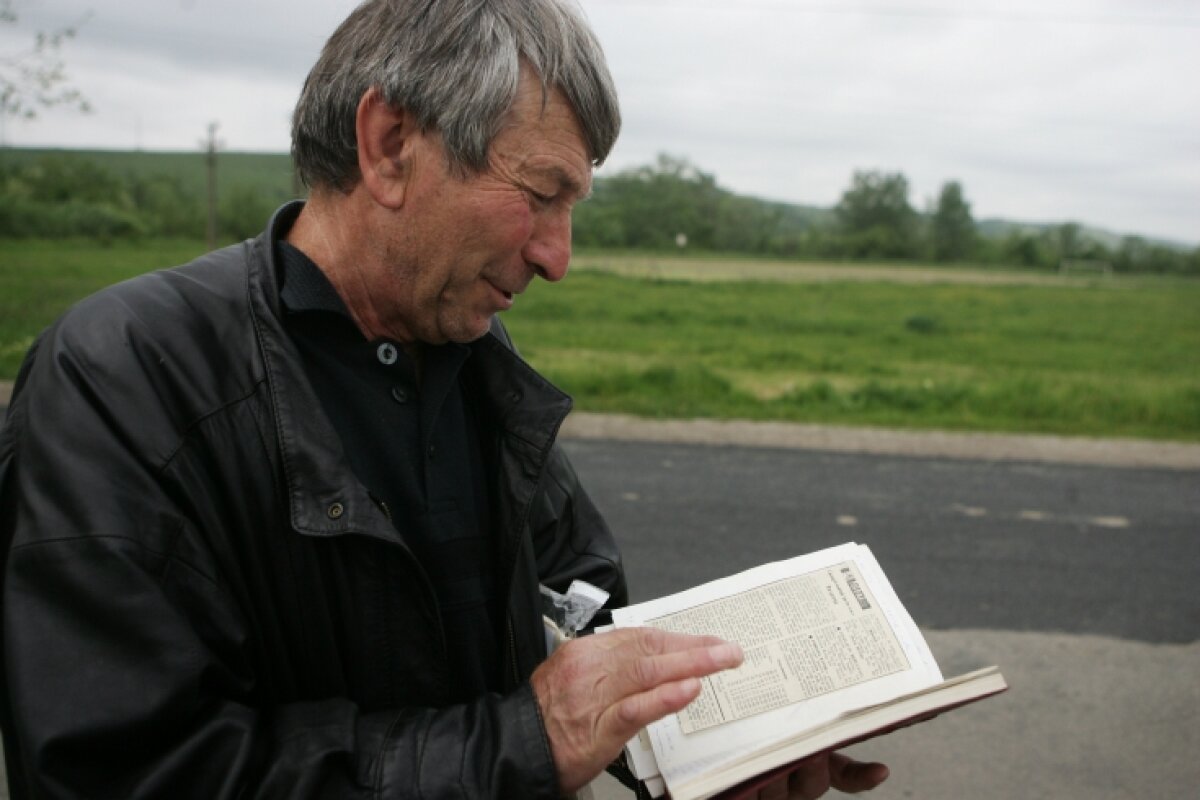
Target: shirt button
[399,395]
[335,510]
[432,450]
[386,353]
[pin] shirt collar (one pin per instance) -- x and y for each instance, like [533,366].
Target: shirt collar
[305,286]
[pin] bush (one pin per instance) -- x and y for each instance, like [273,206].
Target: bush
[22,218]
[243,213]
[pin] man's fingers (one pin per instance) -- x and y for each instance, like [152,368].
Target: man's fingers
[848,775]
[694,662]
[639,710]
[811,778]
[652,641]
[776,790]
[665,681]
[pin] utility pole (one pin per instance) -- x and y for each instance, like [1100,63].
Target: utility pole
[211,145]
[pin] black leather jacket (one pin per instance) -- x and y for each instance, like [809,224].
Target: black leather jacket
[199,598]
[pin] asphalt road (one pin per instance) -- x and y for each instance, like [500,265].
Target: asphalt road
[1079,581]
[967,544]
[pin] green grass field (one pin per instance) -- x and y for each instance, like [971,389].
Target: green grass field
[39,280]
[1101,358]
[1111,357]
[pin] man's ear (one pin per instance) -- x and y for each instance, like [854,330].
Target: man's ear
[386,138]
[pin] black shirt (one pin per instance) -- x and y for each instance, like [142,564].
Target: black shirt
[414,443]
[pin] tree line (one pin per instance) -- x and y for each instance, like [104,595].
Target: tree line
[670,205]
[649,207]
[64,195]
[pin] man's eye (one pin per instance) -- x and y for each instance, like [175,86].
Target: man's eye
[540,197]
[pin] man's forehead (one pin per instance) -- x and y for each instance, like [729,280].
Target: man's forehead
[544,139]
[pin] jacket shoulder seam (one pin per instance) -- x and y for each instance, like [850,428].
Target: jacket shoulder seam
[167,557]
[188,429]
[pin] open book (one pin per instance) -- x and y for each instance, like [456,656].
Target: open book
[832,658]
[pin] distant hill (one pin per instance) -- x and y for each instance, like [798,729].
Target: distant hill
[271,173]
[995,228]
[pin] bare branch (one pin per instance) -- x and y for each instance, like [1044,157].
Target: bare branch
[37,78]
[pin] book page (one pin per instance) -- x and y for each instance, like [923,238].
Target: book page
[804,636]
[864,649]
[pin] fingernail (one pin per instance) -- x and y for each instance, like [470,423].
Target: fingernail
[727,655]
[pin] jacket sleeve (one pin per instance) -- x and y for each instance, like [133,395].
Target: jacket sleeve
[126,664]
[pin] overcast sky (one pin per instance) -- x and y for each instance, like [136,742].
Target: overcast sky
[1045,111]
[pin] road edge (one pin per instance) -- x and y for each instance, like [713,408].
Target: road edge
[1139,453]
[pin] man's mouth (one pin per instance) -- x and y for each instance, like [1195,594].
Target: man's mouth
[506,297]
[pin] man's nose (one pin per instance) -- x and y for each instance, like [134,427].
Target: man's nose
[549,248]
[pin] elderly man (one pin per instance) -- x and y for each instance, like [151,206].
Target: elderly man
[275,521]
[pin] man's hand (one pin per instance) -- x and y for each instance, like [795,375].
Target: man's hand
[595,693]
[812,777]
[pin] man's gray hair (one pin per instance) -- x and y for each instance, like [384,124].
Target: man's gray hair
[454,65]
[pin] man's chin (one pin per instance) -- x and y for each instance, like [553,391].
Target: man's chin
[471,330]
